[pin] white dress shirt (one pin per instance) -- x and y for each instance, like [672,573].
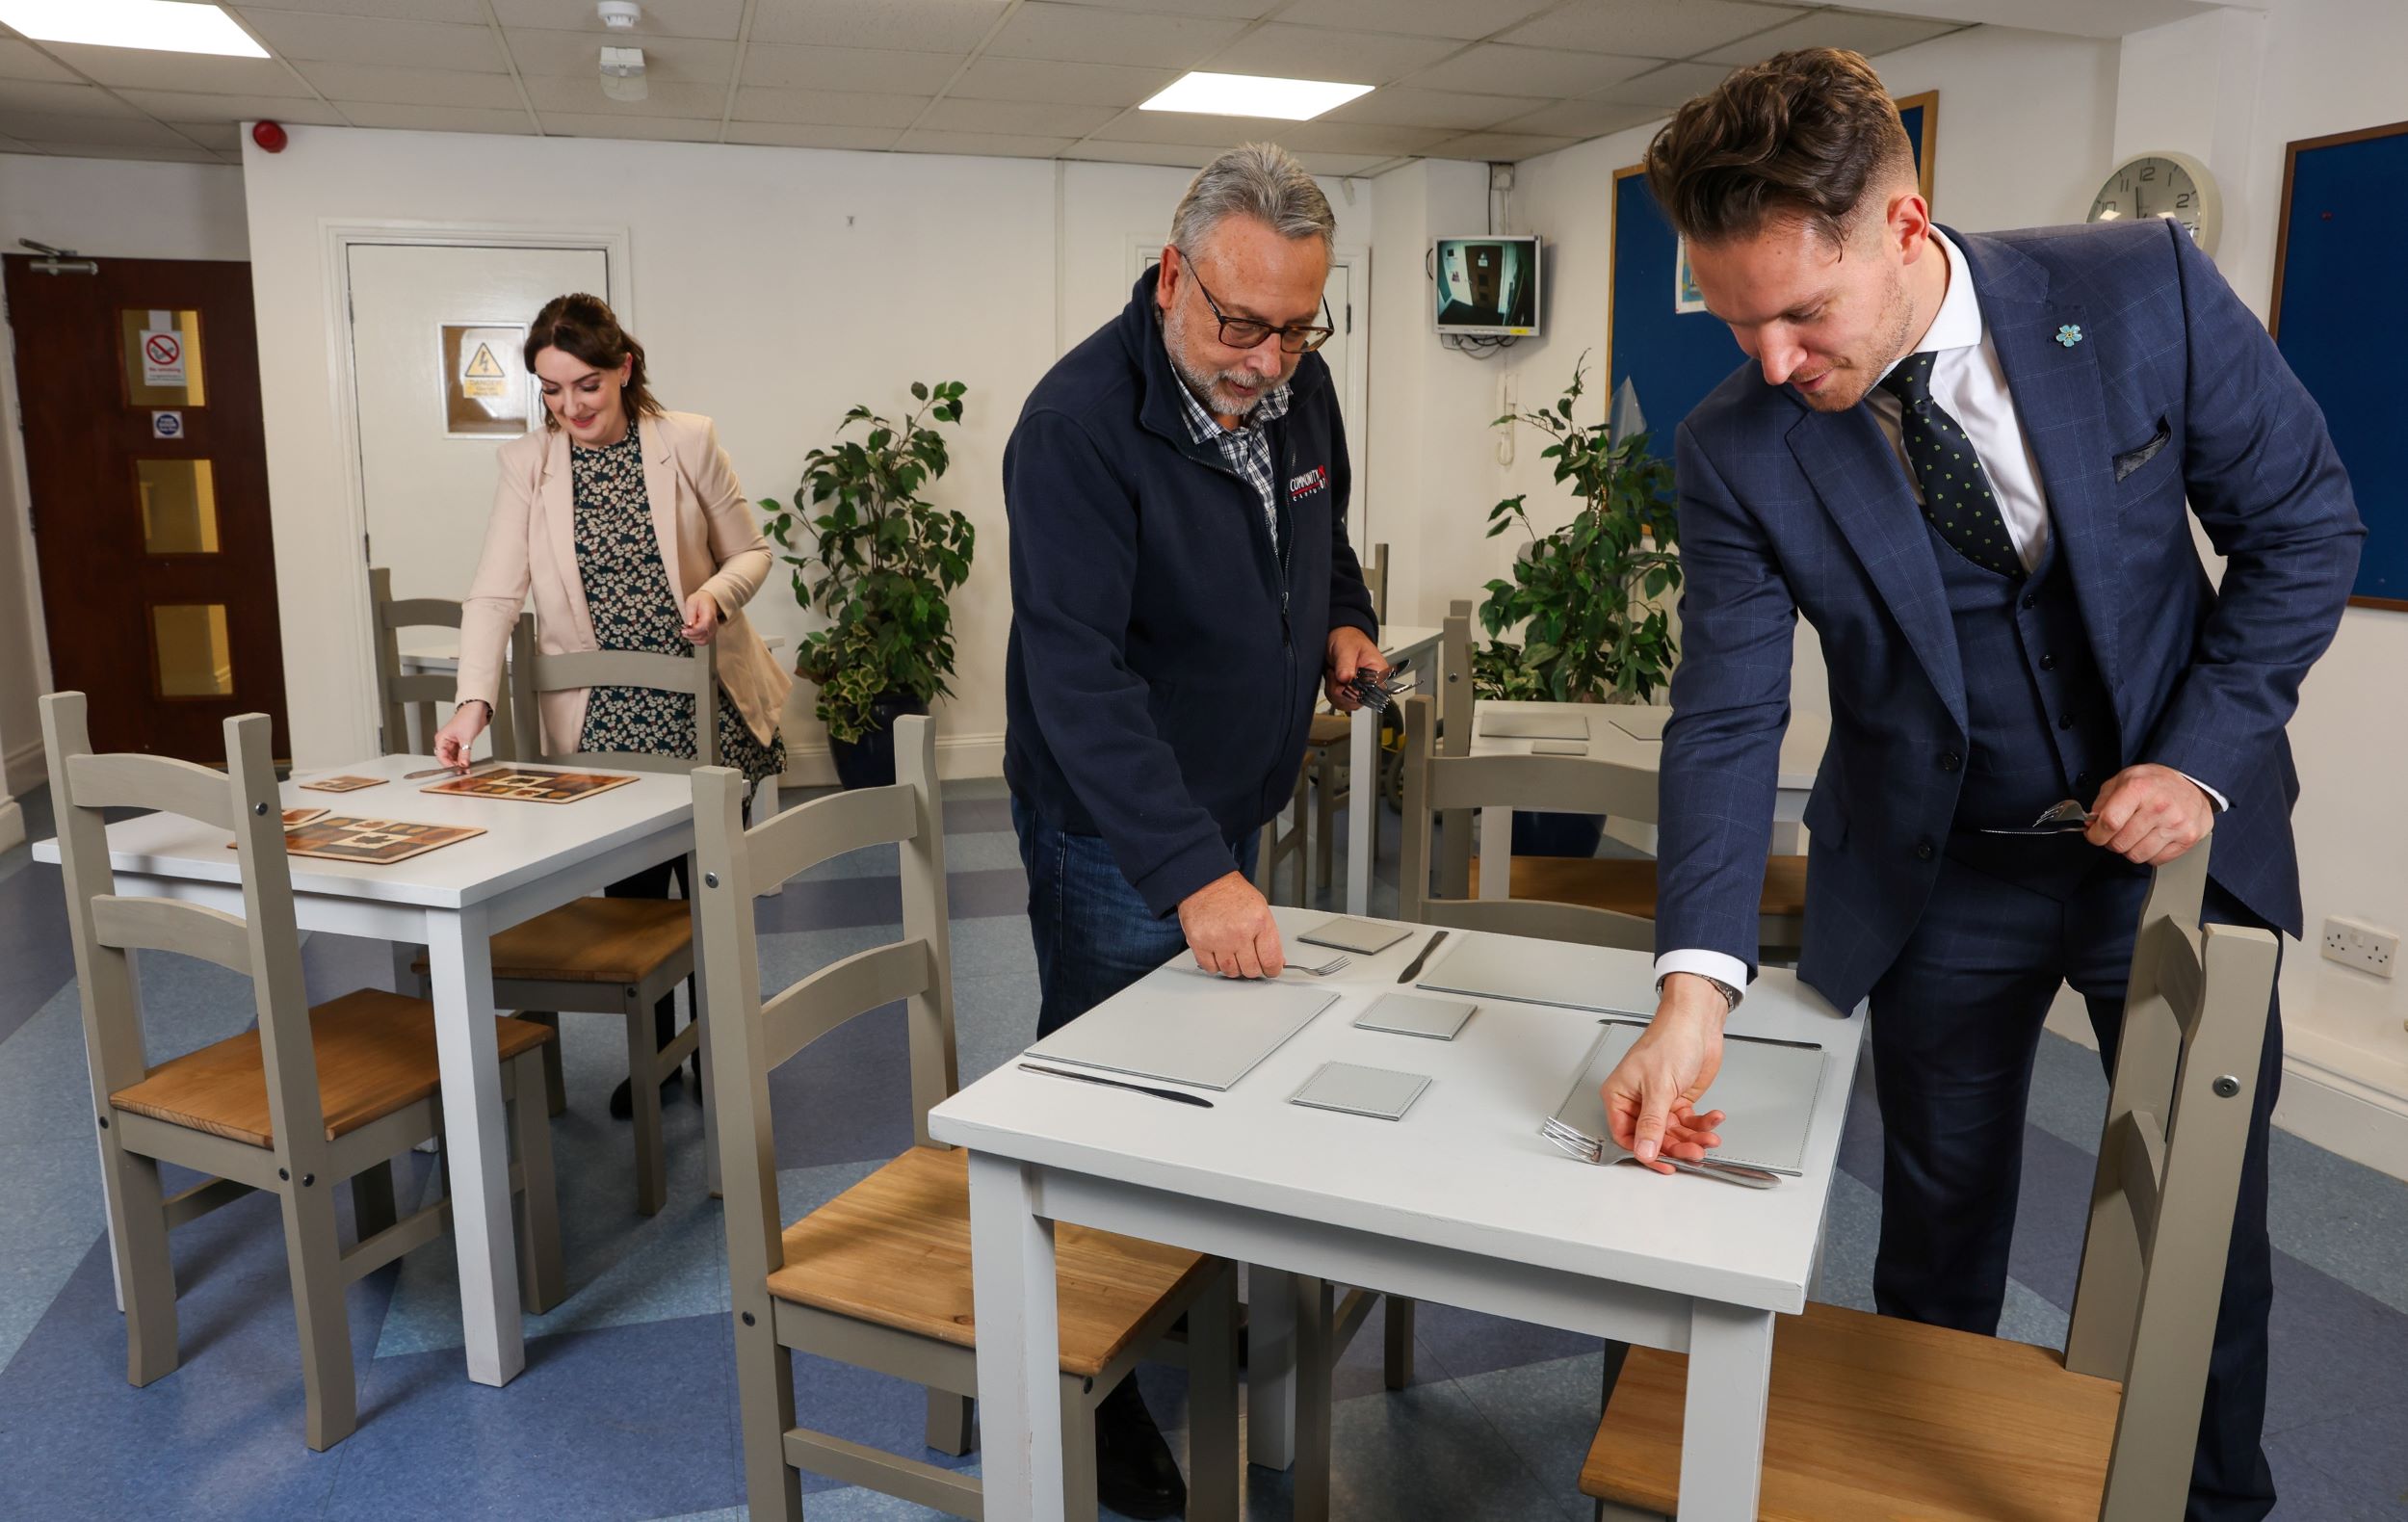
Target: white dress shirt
[1968,381]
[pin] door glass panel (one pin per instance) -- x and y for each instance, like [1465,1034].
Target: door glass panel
[161,353]
[179,506]
[196,660]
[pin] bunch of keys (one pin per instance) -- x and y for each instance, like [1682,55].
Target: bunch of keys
[1376,692]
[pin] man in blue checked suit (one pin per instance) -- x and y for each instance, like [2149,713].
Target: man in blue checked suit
[1966,459]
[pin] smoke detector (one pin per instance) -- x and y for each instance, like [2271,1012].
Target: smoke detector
[619,16]
[623,73]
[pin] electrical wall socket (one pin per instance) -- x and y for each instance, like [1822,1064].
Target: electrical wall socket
[2354,943]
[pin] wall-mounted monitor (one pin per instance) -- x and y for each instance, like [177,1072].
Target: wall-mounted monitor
[1486,286]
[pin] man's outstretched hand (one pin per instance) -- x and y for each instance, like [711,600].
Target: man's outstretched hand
[1229,927]
[1651,1095]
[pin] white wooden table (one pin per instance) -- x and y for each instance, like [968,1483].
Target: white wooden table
[1398,643]
[1633,735]
[1460,1202]
[532,857]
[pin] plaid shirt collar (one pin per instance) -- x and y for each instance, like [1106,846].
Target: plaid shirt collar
[1204,428]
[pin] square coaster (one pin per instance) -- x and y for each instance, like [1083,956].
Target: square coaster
[1363,937]
[1413,1014]
[1379,1092]
[1559,747]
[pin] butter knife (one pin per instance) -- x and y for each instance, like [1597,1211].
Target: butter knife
[1413,968]
[1115,1082]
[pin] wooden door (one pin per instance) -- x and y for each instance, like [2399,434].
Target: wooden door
[1487,261]
[140,389]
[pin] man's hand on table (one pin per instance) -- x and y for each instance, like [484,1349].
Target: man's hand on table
[1229,927]
[1350,653]
[1651,1095]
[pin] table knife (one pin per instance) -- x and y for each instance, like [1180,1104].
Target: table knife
[1117,1083]
[1413,968]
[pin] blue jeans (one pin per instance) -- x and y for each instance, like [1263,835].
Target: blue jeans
[1094,936]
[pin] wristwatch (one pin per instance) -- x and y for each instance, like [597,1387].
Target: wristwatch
[1730,995]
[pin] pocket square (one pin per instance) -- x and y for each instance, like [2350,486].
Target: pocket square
[2132,459]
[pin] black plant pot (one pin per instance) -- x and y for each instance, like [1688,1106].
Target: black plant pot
[1543,835]
[870,761]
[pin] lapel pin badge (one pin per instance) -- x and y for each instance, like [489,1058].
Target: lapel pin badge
[2070,334]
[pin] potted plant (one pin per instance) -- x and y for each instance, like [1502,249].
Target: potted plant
[881,564]
[1585,597]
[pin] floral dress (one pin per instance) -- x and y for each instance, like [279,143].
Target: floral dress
[628,596]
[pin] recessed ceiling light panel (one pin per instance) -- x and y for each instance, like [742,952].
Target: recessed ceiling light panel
[1254,96]
[166,26]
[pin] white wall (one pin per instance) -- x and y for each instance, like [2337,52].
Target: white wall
[961,268]
[103,208]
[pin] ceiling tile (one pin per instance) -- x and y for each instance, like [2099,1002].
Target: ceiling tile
[125,131]
[690,60]
[1028,117]
[219,135]
[1312,52]
[1353,136]
[927,26]
[1498,146]
[719,18]
[345,82]
[1581,118]
[1649,27]
[1174,155]
[142,68]
[884,70]
[653,129]
[1226,9]
[1086,34]
[299,34]
[23,61]
[466,11]
[31,97]
[1869,34]
[1541,73]
[1047,79]
[1670,86]
[1327,137]
[984,145]
[1404,106]
[443,118]
[174,106]
[1338,165]
[1421,18]
[828,108]
[661,98]
[146,152]
[800,135]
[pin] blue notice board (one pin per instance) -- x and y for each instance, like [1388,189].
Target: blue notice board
[1672,357]
[2337,262]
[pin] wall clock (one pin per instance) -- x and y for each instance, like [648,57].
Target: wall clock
[2163,184]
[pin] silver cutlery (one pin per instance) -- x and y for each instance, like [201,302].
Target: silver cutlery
[1413,968]
[445,770]
[2068,818]
[1333,964]
[1119,1083]
[1587,1148]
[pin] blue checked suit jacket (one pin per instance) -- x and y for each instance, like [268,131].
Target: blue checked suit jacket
[2173,391]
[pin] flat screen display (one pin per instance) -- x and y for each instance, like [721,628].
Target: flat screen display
[1486,286]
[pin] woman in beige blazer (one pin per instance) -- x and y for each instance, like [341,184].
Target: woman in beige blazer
[626,523]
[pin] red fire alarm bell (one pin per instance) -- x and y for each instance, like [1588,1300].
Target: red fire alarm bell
[269,135]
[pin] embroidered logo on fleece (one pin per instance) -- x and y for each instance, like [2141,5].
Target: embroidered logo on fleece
[1305,485]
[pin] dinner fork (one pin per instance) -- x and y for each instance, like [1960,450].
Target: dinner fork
[2067,818]
[1591,1149]
[1334,965]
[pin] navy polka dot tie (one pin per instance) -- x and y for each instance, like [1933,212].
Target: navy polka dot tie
[1956,493]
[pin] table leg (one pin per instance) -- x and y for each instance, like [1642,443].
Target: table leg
[476,1141]
[702,1030]
[1730,1377]
[1496,853]
[1012,1259]
[1315,1360]
[1362,808]
[1269,1368]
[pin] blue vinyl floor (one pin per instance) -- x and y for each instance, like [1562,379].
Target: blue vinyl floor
[626,1407]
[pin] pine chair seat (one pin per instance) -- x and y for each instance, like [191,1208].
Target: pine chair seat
[1330,729]
[592,940]
[1873,1418]
[895,1250]
[376,1055]
[1628,885]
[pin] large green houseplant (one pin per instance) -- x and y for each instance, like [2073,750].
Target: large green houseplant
[1585,597]
[881,562]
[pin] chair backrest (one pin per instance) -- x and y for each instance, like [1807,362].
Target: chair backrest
[1454,739]
[1572,784]
[403,697]
[263,944]
[1376,579]
[749,1038]
[2169,1172]
[697,674]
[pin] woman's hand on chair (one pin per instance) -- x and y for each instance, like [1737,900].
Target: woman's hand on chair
[453,740]
[702,619]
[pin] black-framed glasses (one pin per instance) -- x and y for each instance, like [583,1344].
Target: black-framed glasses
[1246,333]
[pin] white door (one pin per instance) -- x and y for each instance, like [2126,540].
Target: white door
[1346,354]
[440,386]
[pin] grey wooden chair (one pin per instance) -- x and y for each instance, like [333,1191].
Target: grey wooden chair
[1329,746]
[405,700]
[880,1277]
[608,955]
[309,1098]
[1876,1417]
